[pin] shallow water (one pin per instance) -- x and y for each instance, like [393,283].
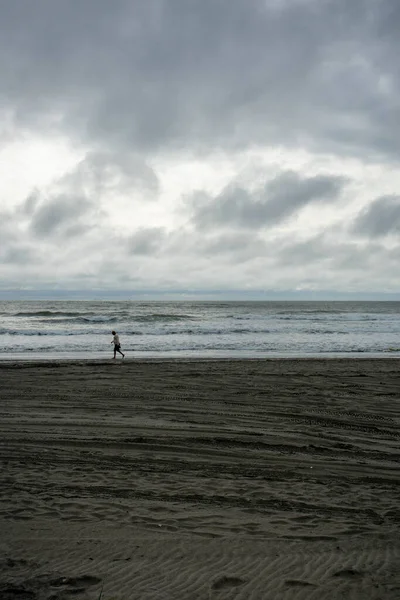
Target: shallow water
[82,329]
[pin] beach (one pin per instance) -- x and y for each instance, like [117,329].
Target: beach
[200,479]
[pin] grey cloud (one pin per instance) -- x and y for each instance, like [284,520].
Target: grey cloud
[395,253]
[132,81]
[182,244]
[19,255]
[327,255]
[77,229]
[362,257]
[7,229]
[234,244]
[304,252]
[146,241]
[58,213]
[162,73]
[289,193]
[278,200]
[235,248]
[104,171]
[28,207]
[380,218]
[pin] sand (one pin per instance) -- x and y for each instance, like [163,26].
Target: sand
[150,480]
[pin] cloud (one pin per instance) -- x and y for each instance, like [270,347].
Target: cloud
[166,74]
[146,241]
[102,172]
[282,114]
[29,205]
[330,255]
[59,215]
[235,247]
[19,255]
[278,200]
[7,232]
[304,252]
[380,218]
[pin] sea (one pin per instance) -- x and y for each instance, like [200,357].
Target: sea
[188,329]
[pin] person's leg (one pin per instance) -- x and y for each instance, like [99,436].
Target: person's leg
[115,351]
[119,350]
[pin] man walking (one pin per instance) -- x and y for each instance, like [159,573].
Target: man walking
[117,345]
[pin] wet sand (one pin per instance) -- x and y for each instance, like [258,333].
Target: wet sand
[240,479]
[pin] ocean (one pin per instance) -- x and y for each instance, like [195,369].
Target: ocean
[82,329]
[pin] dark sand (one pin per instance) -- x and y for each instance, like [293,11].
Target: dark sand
[150,480]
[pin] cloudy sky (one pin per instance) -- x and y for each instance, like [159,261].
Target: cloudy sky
[200,145]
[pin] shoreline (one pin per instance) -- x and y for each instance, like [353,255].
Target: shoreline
[133,358]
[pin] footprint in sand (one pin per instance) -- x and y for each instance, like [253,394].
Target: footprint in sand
[225,581]
[349,574]
[299,583]
[75,582]
[16,592]
[40,587]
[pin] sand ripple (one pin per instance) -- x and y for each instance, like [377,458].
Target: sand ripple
[200,479]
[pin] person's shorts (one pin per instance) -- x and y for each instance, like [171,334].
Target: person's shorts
[117,346]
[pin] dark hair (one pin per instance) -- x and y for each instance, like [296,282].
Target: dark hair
[113,332]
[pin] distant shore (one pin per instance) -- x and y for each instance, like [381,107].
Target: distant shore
[200,478]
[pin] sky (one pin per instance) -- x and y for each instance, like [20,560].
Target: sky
[240,146]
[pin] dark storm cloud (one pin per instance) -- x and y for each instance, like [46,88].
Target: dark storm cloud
[280,198]
[380,218]
[60,214]
[160,73]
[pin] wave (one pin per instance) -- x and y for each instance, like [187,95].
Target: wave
[162,317]
[88,317]
[359,350]
[303,317]
[83,320]
[35,333]
[47,313]
[54,315]
[352,350]
[101,332]
[326,331]
[310,311]
[157,318]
